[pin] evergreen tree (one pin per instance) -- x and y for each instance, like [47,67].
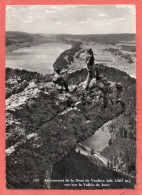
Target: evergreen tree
[92,151]
[108,164]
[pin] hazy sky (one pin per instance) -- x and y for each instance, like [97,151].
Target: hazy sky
[71,19]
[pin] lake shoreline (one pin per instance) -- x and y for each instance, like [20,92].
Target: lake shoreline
[101,135]
[62,53]
[37,58]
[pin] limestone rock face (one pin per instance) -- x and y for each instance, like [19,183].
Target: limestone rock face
[44,123]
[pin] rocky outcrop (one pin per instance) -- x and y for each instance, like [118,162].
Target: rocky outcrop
[44,123]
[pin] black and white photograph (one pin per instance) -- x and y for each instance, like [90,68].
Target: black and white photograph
[70,90]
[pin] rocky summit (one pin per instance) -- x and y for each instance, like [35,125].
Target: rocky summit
[43,122]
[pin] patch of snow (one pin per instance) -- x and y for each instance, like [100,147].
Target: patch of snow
[68,110]
[88,121]
[10,150]
[31,135]
[77,103]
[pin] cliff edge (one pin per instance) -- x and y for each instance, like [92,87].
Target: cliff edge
[43,123]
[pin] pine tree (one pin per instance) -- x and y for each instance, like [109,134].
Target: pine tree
[92,151]
[108,164]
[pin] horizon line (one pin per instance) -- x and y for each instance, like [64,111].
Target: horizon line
[69,34]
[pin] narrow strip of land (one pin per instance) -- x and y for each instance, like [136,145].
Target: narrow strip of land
[82,147]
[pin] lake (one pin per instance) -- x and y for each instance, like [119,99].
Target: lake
[100,139]
[39,58]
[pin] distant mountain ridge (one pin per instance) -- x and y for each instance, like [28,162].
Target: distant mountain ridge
[96,37]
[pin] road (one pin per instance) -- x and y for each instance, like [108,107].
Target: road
[87,151]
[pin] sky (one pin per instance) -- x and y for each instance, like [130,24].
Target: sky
[71,19]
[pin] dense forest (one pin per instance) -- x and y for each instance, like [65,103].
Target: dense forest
[123,129]
[61,61]
[77,166]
